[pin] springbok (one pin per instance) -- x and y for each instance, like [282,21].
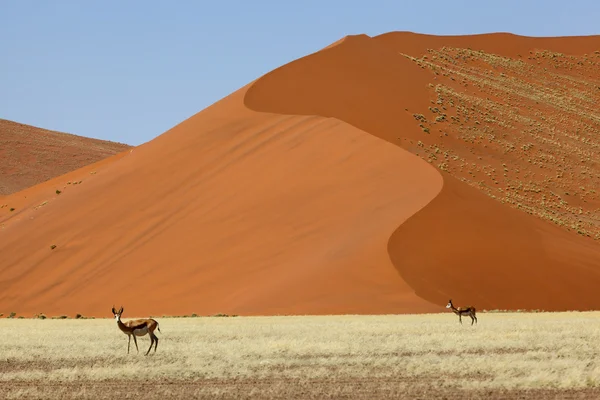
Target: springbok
[460,311]
[137,327]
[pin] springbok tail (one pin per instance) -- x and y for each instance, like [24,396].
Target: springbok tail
[158,327]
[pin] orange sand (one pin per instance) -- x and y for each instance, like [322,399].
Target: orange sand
[232,211]
[290,196]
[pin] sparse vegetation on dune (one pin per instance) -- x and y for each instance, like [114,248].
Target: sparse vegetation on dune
[525,131]
[31,155]
[537,355]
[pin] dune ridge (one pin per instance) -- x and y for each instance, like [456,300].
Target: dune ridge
[503,43]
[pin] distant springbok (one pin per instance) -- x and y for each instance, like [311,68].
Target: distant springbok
[460,311]
[137,327]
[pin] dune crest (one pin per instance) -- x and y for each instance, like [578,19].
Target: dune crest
[503,43]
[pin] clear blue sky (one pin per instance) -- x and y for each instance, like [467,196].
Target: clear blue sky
[129,70]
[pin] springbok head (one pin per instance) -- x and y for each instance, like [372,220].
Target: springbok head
[117,313]
[449,305]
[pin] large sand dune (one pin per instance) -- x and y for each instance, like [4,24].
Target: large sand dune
[463,245]
[232,211]
[294,195]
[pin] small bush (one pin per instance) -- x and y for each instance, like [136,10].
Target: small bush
[58,191]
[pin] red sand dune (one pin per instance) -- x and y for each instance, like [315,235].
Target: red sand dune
[232,211]
[293,195]
[463,245]
[31,155]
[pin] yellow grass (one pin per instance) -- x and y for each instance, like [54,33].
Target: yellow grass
[505,351]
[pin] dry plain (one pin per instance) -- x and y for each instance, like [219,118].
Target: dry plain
[506,355]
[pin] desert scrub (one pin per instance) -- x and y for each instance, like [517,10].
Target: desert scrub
[525,115]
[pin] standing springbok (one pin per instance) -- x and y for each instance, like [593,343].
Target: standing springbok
[460,311]
[137,327]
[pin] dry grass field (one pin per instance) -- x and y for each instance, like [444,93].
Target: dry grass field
[506,355]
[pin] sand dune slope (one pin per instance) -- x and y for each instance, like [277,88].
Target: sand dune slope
[231,211]
[31,155]
[463,245]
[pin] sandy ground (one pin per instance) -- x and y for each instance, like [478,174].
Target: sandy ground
[355,388]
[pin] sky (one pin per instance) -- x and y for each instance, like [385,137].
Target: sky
[127,71]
